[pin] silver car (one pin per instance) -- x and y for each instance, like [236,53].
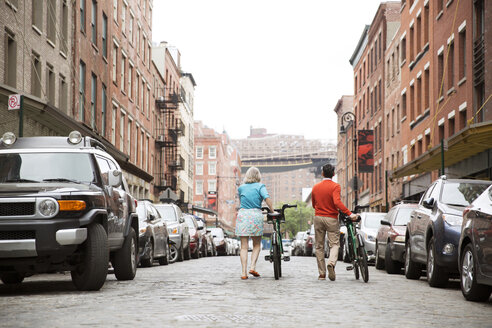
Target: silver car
[178,231]
[369,226]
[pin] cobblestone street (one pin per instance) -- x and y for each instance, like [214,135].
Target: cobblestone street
[208,292]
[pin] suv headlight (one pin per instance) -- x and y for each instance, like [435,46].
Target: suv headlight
[452,219]
[48,207]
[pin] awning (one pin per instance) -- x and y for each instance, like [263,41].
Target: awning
[472,140]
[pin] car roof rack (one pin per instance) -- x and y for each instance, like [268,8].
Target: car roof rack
[91,142]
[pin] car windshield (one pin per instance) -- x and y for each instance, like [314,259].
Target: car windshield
[403,216]
[461,194]
[373,220]
[46,167]
[217,233]
[189,222]
[167,213]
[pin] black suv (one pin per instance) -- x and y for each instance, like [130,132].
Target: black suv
[64,206]
[434,229]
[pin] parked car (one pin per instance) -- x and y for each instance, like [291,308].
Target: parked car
[475,249]
[153,240]
[287,246]
[211,250]
[368,228]
[309,245]
[433,233]
[298,242]
[203,236]
[64,206]
[196,239]
[390,239]
[178,231]
[219,241]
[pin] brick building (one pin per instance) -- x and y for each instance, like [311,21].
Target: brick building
[217,176]
[345,155]
[36,62]
[450,113]
[369,81]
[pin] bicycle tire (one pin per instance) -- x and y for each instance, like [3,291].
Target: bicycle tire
[279,261]
[364,270]
[356,270]
[276,262]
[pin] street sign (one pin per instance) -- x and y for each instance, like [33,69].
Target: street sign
[14,102]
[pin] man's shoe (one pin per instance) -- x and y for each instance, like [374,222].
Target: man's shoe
[322,277]
[331,272]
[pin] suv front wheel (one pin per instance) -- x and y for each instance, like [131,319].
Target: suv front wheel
[125,259]
[91,273]
[436,276]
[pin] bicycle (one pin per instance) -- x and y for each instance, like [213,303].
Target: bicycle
[276,246]
[356,251]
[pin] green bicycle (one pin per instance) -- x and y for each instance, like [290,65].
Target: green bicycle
[357,252]
[276,248]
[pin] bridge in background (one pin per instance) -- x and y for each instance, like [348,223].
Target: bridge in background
[277,163]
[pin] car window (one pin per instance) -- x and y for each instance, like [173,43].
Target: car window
[373,220]
[141,212]
[167,213]
[190,222]
[104,168]
[435,192]
[390,217]
[490,193]
[427,194]
[461,194]
[152,210]
[403,216]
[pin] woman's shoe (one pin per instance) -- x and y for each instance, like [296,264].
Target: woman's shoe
[254,273]
[244,277]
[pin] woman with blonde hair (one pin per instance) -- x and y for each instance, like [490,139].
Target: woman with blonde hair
[249,221]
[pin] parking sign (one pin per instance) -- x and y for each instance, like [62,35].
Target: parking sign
[14,102]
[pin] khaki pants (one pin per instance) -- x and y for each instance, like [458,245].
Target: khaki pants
[323,225]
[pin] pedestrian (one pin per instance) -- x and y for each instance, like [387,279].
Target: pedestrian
[249,222]
[325,198]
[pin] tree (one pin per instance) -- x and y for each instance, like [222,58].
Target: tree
[296,219]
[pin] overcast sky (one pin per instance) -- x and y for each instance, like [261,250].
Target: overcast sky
[276,64]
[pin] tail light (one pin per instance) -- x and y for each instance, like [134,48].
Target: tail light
[467,209]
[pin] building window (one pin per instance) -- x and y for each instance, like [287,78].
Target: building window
[105,36]
[426,24]
[82,15]
[122,131]
[113,124]
[440,72]
[63,95]
[103,110]
[451,127]
[51,21]
[199,168]
[37,14]
[64,27]
[403,47]
[199,187]
[142,94]
[147,104]
[115,57]
[123,17]
[462,54]
[404,105]
[419,34]
[427,89]
[412,102]
[11,61]
[137,87]
[93,100]
[130,77]
[50,83]
[451,66]
[212,152]
[129,138]
[123,72]
[212,168]
[212,185]
[94,22]
[81,91]
[418,106]
[412,44]
[130,28]
[115,11]
[199,152]
[440,6]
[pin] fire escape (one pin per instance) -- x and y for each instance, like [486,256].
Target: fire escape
[167,141]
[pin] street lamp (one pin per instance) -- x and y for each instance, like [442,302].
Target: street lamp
[349,118]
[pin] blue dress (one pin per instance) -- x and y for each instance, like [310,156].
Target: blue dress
[249,220]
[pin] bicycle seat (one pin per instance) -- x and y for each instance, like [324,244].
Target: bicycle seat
[272,216]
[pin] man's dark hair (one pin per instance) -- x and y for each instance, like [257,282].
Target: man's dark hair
[328,171]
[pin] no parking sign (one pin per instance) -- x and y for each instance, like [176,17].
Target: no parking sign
[14,102]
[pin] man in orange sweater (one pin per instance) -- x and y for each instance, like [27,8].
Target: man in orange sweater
[326,202]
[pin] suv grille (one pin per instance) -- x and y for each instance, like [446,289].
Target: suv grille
[17,209]
[16,235]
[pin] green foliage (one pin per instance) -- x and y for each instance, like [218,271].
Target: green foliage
[296,219]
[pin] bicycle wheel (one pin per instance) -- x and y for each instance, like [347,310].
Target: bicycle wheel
[276,262]
[356,270]
[362,259]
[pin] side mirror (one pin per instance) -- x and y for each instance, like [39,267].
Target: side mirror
[200,228]
[115,178]
[151,217]
[385,222]
[209,231]
[181,220]
[429,203]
